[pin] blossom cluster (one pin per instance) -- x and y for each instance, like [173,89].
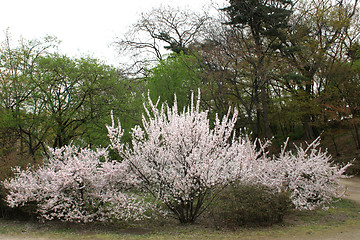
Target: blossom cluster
[77,184]
[307,174]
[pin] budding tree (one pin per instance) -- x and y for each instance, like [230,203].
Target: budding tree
[79,185]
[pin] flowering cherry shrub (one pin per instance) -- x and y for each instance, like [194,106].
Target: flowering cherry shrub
[180,160]
[178,157]
[79,185]
[308,174]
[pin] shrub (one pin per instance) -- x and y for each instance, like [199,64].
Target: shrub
[308,174]
[78,185]
[179,159]
[242,204]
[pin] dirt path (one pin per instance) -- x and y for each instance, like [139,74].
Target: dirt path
[353,189]
[351,232]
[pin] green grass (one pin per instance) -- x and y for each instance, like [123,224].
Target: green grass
[344,214]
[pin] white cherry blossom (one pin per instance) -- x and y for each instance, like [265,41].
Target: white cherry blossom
[79,185]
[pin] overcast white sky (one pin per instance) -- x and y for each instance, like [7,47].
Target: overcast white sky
[83,26]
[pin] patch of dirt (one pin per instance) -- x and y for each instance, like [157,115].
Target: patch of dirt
[353,188]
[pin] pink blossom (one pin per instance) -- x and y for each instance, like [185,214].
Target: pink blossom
[79,185]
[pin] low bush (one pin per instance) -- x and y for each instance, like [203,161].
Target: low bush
[239,204]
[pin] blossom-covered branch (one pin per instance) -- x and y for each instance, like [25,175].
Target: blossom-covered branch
[79,185]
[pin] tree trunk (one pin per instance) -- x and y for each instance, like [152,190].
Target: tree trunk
[264,101]
[357,137]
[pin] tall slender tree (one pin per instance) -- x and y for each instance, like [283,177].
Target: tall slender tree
[261,23]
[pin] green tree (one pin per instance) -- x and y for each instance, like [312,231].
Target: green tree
[341,98]
[17,69]
[177,74]
[71,93]
[52,99]
[263,21]
[243,57]
[316,44]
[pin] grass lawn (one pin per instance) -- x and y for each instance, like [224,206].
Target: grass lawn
[344,216]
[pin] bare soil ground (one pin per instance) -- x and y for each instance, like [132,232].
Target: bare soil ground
[353,188]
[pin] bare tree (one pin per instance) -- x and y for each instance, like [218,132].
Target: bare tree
[159,31]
